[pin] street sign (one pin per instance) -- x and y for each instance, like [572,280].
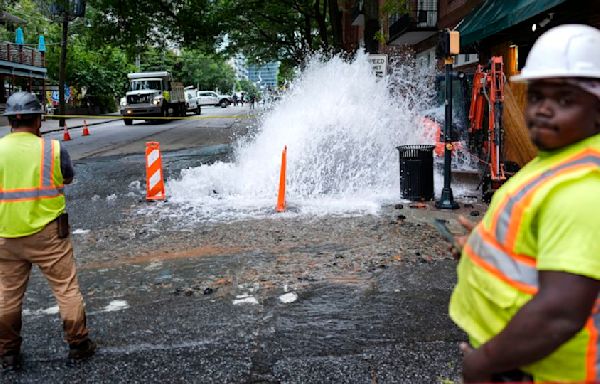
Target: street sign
[378,64]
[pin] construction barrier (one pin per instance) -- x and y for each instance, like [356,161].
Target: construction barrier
[155,186]
[66,136]
[86,131]
[281,196]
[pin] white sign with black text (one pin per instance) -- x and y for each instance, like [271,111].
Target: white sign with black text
[378,64]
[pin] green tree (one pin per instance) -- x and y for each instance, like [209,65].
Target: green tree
[101,71]
[37,23]
[134,24]
[158,59]
[205,70]
[287,73]
[248,87]
[266,30]
[6,4]
[395,6]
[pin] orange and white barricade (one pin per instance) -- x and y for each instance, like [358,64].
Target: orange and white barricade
[155,186]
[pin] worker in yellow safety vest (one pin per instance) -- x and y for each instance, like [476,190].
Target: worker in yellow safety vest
[34,230]
[529,274]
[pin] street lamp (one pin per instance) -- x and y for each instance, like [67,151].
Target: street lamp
[448,46]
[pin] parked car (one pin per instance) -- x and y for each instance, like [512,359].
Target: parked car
[212,98]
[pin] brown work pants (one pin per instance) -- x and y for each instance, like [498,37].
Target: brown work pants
[54,257]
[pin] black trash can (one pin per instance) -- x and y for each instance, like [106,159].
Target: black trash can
[416,172]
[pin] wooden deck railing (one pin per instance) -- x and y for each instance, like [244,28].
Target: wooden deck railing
[21,54]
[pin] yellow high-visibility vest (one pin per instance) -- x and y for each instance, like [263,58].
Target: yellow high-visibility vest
[498,274]
[31,184]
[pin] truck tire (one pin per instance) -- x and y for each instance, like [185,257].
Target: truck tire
[128,121]
[164,113]
[224,103]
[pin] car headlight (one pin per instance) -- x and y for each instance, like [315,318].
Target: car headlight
[157,100]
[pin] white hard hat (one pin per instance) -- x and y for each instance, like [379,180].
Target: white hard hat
[571,50]
[23,103]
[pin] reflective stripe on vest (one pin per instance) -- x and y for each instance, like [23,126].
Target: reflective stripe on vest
[593,357]
[517,271]
[523,276]
[506,225]
[493,250]
[38,193]
[47,166]
[47,189]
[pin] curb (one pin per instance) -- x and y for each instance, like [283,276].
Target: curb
[76,126]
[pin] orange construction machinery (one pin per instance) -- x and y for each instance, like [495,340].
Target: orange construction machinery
[478,127]
[487,142]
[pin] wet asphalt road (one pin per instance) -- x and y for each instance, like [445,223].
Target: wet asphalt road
[201,302]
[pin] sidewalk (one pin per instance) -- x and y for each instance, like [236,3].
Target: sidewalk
[52,124]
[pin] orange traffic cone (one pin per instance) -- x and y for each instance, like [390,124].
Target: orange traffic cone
[281,196]
[155,186]
[86,131]
[66,136]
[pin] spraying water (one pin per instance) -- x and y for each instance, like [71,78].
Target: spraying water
[341,126]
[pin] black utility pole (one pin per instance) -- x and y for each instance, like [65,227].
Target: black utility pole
[446,201]
[62,72]
[65,10]
[371,12]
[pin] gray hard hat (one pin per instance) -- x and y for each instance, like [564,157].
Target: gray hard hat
[23,103]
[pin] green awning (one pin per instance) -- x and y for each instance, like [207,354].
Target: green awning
[493,16]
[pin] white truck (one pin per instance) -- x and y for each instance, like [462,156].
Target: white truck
[213,98]
[153,94]
[191,100]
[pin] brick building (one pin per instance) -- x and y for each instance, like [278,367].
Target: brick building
[488,27]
